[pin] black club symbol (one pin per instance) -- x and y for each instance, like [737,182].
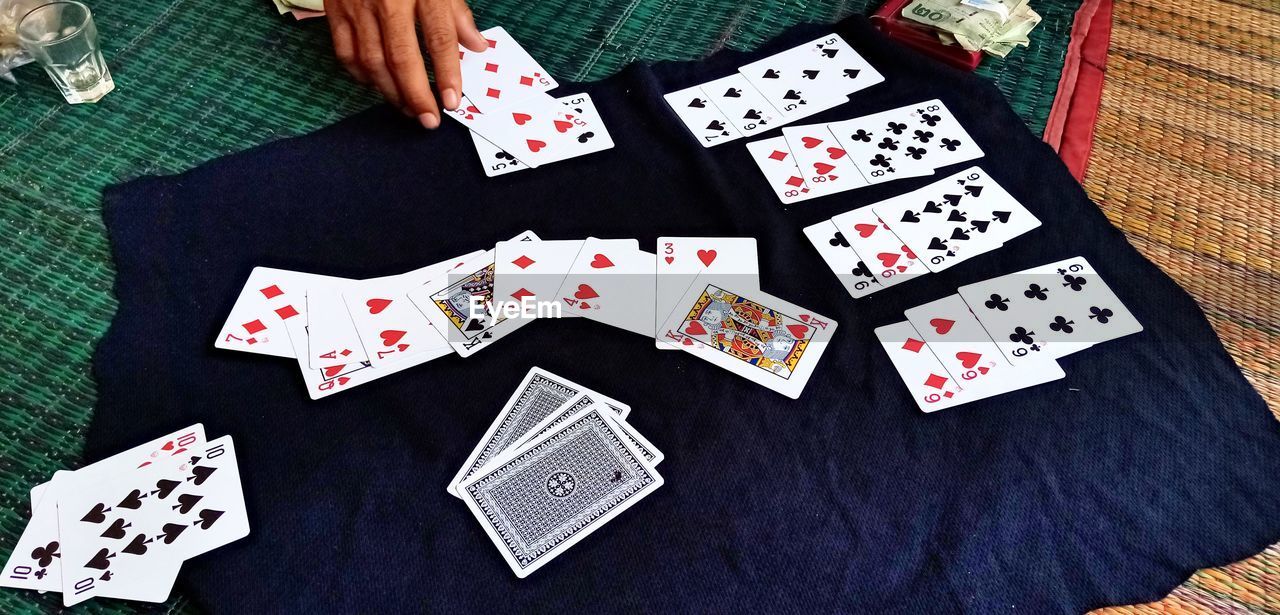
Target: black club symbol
[930,119]
[1102,314]
[561,484]
[1021,336]
[996,302]
[923,136]
[44,555]
[1061,324]
[1035,291]
[896,128]
[950,144]
[861,271]
[861,135]
[838,240]
[915,152]
[1075,282]
[880,161]
[887,143]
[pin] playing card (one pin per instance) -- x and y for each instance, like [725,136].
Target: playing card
[841,69]
[388,325]
[611,281]
[746,109]
[929,382]
[796,82]
[569,411]
[532,270]
[256,321]
[909,141]
[460,304]
[36,562]
[834,248]
[540,394]
[956,218]
[332,338]
[752,334]
[561,488]
[502,74]
[119,531]
[958,340]
[826,167]
[704,120]
[535,129]
[731,261]
[497,161]
[1049,311]
[891,261]
[774,158]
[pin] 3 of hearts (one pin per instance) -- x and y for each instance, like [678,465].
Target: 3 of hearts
[123,526]
[700,295]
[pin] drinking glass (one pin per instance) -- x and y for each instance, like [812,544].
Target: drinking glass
[62,38]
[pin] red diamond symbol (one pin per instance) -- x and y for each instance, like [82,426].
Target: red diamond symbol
[524,80]
[948,394]
[914,345]
[251,341]
[491,67]
[271,292]
[345,353]
[523,262]
[493,93]
[286,312]
[778,155]
[492,43]
[935,381]
[519,295]
[254,326]
[795,181]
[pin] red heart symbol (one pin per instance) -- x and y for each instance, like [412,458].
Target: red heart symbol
[330,372]
[521,118]
[822,168]
[402,347]
[686,341]
[695,328]
[835,153]
[968,359]
[601,262]
[670,259]
[887,259]
[942,325]
[902,268]
[168,446]
[908,252]
[798,331]
[983,370]
[864,230]
[535,145]
[377,305]
[343,380]
[562,125]
[804,317]
[707,256]
[585,292]
[584,306]
[810,142]
[391,336]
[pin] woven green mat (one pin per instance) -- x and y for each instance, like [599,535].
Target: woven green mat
[196,80]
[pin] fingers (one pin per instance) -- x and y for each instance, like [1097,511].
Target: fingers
[372,58]
[468,34]
[404,62]
[439,33]
[344,47]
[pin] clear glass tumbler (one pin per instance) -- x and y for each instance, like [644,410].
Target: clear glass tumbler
[62,38]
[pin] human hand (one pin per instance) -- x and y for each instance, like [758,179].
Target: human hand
[377,43]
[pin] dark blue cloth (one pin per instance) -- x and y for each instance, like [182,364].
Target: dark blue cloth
[1152,458]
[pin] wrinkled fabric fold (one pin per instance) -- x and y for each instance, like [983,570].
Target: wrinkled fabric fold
[1152,458]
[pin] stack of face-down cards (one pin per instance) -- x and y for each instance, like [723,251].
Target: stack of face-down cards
[777,90]
[1003,334]
[558,463]
[514,123]
[699,294]
[926,230]
[122,527]
[820,159]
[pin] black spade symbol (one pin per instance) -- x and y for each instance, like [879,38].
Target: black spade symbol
[910,216]
[959,234]
[165,486]
[851,73]
[932,208]
[137,546]
[771,74]
[715,125]
[186,502]
[791,95]
[937,244]
[208,517]
[106,576]
[116,531]
[171,531]
[95,515]
[973,190]
[1002,216]
[698,103]
[200,474]
[980,225]
[954,199]
[132,501]
[733,93]
[474,325]
[751,114]
[100,561]
[809,74]
[956,216]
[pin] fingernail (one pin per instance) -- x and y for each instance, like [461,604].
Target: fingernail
[450,98]
[429,121]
